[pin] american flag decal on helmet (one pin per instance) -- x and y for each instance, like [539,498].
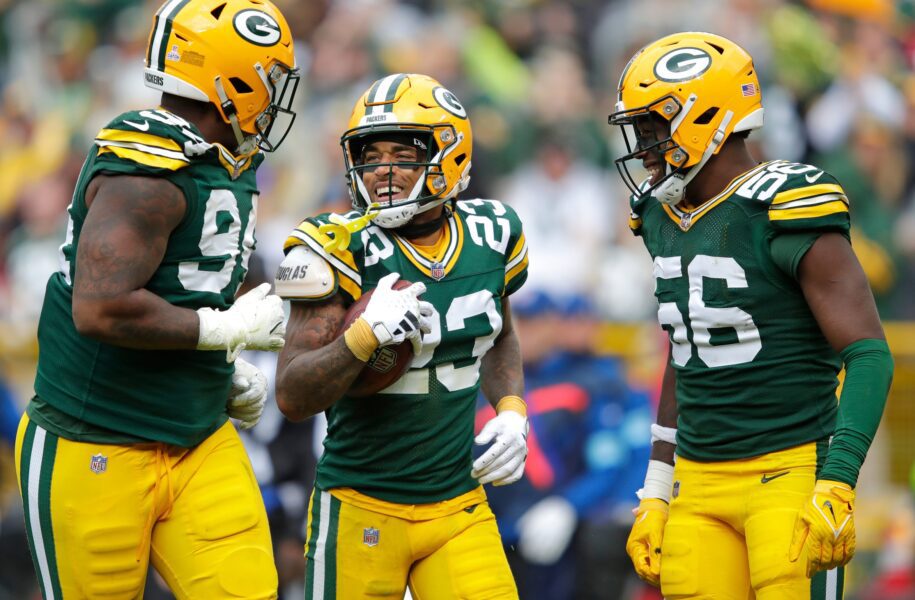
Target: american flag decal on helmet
[748,89]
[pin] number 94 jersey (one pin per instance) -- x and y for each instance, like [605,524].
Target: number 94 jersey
[133,394]
[411,443]
[754,372]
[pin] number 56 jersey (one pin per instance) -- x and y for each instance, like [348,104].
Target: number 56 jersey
[411,443]
[754,372]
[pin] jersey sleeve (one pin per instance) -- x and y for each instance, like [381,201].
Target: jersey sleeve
[637,204]
[144,143]
[516,258]
[811,201]
[343,262]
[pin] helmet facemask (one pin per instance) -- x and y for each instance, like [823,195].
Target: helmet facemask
[641,129]
[430,186]
[273,123]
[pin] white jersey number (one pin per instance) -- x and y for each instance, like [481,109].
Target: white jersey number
[703,319]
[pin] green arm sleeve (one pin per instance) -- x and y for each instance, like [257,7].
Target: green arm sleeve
[788,249]
[868,374]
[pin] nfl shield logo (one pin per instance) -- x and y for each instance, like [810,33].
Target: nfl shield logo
[437,271]
[676,490]
[370,536]
[98,464]
[686,221]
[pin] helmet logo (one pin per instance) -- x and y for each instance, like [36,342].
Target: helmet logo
[257,27]
[682,64]
[449,102]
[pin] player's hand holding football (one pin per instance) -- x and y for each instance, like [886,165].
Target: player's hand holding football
[394,315]
[248,394]
[644,543]
[503,462]
[826,525]
[255,322]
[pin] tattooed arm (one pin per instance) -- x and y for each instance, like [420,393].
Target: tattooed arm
[121,245]
[501,372]
[314,369]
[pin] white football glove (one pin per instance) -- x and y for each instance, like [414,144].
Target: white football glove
[394,315]
[503,463]
[255,322]
[545,530]
[426,311]
[248,394]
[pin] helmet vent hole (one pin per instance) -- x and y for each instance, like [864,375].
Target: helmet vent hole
[240,86]
[180,37]
[706,117]
[217,12]
[718,48]
[460,158]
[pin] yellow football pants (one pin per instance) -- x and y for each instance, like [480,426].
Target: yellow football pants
[730,530]
[365,551]
[96,514]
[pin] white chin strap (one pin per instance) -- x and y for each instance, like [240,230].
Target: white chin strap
[671,191]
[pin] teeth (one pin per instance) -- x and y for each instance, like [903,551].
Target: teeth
[389,190]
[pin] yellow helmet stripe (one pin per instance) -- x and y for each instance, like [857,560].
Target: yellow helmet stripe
[161,32]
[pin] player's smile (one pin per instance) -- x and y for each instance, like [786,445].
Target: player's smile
[391,173]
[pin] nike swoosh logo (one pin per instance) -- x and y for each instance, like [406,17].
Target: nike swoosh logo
[814,178]
[144,126]
[768,478]
[828,505]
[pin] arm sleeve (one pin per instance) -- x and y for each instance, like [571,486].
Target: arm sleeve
[788,249]
[868,374]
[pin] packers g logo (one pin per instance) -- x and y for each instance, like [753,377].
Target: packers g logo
[449,102]
[682,64]
[257,27]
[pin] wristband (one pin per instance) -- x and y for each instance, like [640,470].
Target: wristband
[360,340]
[659,479]
[512,403]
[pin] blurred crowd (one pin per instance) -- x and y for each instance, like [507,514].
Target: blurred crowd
[538,78]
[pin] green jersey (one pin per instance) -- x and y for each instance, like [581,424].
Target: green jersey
[411,443]
[99,392]
[754,372]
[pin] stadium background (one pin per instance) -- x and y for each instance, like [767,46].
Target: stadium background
[538,79]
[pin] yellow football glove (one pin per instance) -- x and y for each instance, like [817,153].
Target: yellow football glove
[827,524]
[644,543]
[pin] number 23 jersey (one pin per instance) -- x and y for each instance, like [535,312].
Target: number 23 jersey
[411,443]
[754,372]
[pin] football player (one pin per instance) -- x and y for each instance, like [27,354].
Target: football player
[764,301]
[126,453]
[398,500]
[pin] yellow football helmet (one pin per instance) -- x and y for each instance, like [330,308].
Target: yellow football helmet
[704,86]
[237,54]
[434,120]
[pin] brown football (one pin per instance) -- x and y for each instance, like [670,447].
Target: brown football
[387,363]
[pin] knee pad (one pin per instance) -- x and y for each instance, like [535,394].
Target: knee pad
[248,573]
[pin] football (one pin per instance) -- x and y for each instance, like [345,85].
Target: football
[387,363]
